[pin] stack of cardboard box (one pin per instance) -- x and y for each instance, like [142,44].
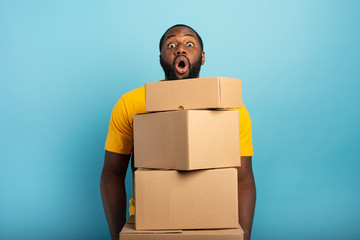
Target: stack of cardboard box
[186,183]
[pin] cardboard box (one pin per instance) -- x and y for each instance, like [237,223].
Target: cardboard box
[195,93]
[187,139]
[204,199]
[129,233]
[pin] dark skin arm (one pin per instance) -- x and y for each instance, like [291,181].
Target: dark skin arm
[113,194]
[246,195]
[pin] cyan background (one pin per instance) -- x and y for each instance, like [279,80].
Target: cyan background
[64,64]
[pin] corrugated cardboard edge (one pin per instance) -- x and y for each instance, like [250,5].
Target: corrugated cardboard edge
[188,165]
[238,128]
[137,194]
[146,95]
[220,93]
[219,90]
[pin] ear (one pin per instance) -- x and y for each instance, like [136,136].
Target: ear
[202,58]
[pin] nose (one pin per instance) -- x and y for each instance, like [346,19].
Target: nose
[180,50]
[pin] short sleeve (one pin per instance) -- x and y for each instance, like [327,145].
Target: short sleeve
[246,147]
[119,138]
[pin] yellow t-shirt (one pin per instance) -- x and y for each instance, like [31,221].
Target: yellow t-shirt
[120,133]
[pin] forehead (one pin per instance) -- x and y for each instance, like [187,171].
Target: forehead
[180,31]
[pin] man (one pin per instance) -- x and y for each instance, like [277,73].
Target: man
[181,57]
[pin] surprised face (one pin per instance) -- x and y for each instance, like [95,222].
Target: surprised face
[181,54]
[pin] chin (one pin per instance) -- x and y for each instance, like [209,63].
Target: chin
[183,77]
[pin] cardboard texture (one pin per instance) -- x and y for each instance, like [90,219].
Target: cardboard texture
[129,233]
[204,199]
[195,93]
[187,139]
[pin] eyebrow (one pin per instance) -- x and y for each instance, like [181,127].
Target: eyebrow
[185,35]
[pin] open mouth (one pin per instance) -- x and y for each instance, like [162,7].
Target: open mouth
[181,64]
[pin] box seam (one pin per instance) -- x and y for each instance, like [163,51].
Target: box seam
[219,87]
[187,139]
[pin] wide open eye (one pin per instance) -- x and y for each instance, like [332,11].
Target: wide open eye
[171,45]
[190,44]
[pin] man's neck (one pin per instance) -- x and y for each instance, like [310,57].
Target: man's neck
[166,79]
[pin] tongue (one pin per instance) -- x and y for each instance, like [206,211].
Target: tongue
[181,67]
